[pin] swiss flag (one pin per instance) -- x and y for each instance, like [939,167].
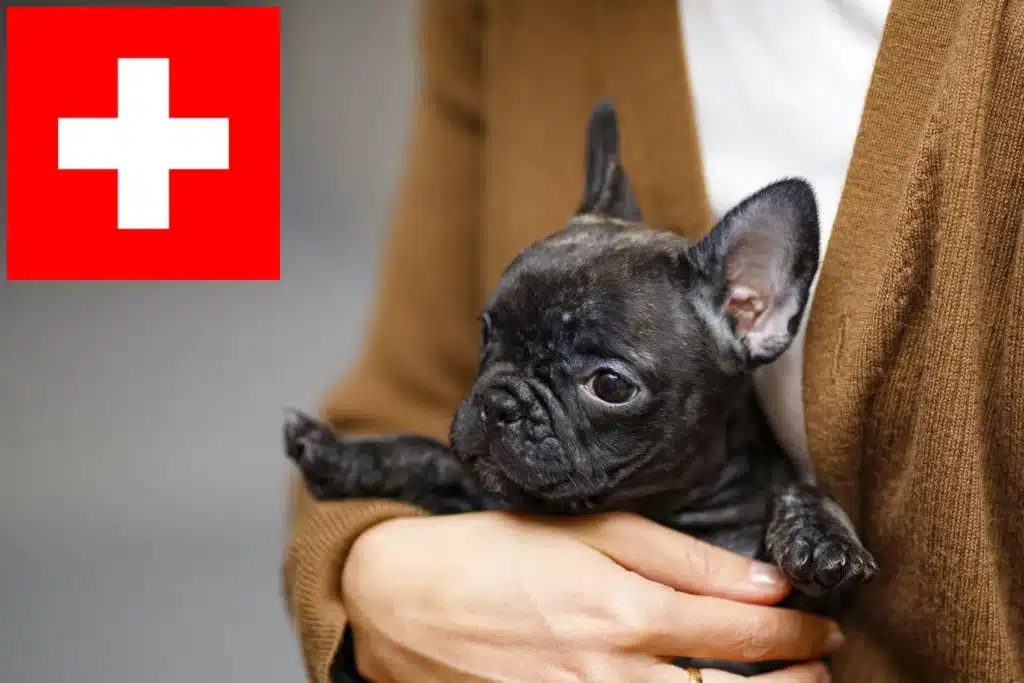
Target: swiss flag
[143,143]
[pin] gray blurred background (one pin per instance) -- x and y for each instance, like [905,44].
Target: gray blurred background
[141,484]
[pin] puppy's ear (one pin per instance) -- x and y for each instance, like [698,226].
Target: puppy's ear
[760,261]
[606,190]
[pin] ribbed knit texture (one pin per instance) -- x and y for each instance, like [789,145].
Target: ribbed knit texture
[914,360]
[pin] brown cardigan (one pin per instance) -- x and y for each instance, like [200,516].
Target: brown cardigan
[914,367]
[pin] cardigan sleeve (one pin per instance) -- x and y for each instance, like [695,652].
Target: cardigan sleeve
[419,354]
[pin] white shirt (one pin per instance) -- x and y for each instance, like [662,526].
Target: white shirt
[779,88]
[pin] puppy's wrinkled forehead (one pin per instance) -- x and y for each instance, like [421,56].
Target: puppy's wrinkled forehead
[596,253]
[596,283]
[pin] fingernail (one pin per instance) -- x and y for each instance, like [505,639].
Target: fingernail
[767,575]
[835,638]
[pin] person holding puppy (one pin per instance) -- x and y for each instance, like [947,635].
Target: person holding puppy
[910,369]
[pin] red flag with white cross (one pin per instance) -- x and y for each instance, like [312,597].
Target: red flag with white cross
[143,143]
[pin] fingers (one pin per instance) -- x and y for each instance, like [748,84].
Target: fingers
[662,622]
[814,672]
[689,598]
[680,561]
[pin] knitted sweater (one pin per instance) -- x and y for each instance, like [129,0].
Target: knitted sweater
[914,367]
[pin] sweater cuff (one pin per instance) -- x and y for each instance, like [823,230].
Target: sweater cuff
[312,568]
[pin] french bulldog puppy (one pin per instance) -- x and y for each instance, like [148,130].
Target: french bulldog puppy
[616,373]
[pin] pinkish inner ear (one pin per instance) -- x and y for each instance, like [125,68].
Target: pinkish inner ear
[753,274]
[745,305]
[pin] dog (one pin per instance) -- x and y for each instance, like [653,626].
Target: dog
[616,372]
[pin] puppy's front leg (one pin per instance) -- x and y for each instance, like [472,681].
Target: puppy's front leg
[409,468]
[812,540]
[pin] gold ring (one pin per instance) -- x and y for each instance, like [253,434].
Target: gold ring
[695,676]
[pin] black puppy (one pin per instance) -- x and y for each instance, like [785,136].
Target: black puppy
[616,373]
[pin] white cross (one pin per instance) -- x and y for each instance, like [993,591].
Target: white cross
[143,144]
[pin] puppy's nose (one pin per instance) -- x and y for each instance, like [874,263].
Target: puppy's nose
[500,408]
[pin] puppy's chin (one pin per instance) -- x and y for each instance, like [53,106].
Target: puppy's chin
[507,478]
[519,467]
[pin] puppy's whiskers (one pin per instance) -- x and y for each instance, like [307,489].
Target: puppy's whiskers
[590,482]
[578,489]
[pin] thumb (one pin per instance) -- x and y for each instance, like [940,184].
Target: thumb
[678,560]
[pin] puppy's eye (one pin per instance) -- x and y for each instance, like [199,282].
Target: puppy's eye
[611,387]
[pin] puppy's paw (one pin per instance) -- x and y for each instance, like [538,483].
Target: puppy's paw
[812,541]
[820,562]
[311,445]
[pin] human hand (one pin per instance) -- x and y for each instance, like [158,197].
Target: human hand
[492,596]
